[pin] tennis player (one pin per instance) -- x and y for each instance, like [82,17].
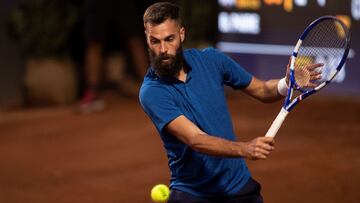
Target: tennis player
[183,94]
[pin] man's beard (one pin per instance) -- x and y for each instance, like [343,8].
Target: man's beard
[169,68]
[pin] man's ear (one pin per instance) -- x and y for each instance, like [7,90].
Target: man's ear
[182,34]
[146,36]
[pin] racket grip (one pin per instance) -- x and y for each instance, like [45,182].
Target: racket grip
[277,123]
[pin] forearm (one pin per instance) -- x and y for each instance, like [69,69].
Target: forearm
[216,146]
[258,148]
[265,91]
[186,131]
[270,91]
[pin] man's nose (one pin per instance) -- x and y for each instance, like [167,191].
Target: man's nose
[163,47]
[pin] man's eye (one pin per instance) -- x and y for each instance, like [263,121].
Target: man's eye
[154,41]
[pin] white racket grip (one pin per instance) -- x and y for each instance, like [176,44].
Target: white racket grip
[277,123]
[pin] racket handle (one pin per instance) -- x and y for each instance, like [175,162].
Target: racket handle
[277,123]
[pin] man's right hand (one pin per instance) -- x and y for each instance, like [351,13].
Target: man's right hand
[258,148]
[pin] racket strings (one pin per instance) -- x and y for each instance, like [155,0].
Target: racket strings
[325,43]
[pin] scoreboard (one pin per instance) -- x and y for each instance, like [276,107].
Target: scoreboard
[261,34]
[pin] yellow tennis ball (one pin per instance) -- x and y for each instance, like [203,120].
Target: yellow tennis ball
[160,193]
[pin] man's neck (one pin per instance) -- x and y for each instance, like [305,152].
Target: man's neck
[182,75]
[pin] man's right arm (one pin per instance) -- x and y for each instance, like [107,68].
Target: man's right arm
[193,136]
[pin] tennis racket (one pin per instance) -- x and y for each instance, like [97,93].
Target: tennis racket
[325,41]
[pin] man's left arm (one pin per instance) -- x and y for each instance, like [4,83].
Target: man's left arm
[238,78]
[264,91]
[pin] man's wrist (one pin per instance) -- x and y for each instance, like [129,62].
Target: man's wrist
[282,87]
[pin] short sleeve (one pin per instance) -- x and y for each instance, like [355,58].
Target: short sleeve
[233,74]
[159,105]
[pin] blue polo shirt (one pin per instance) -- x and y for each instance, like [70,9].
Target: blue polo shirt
[202,100]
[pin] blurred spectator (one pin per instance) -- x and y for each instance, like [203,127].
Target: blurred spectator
[101,20]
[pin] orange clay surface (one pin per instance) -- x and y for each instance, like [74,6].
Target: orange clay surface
[51,155]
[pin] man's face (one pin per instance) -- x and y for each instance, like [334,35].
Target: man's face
[165,47]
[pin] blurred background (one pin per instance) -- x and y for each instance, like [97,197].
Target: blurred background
[258,34]
[63,59]
[261,34]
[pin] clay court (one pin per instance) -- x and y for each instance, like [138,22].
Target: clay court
[53,155]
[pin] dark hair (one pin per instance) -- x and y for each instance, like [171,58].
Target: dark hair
[160,12]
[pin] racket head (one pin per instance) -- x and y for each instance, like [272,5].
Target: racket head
[325,41]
